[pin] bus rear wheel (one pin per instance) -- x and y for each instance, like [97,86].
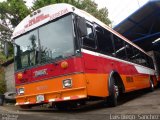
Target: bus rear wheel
[113,98]
[151,85]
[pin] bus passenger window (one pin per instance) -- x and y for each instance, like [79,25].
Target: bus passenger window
[120,48]
[90,33]
[144,59]
[89,40]
[139,57]
[150,61]
[129,51]
[104,40]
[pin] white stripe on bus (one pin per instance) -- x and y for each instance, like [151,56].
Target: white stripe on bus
[139,68]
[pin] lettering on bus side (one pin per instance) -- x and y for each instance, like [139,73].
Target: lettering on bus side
[40,18]
[36,20]
[45,87]
[129,79]
[58,14]
[40,73]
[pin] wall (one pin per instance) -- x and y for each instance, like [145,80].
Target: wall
[9,77]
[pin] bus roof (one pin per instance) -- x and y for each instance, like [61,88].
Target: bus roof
[51,12]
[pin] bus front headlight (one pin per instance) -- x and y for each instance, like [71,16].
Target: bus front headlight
[20,91]
[67,83]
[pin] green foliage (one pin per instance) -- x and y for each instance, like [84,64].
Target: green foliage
[41,3]
[14,11]
[2,58]
[2,81]
[11,13]
[10,50]
[86,5]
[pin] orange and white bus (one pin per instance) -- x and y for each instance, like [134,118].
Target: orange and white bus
[65,56]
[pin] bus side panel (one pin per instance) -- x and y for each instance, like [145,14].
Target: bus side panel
[97,85]
[126,72]
[97,80]
[134,77]
[134,80]
[141,81]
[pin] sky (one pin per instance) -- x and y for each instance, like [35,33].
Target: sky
[118,9]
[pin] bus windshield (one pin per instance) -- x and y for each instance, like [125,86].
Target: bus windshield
[50,42]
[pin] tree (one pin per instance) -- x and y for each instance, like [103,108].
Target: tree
[11,13]
[2,81]
[86,5]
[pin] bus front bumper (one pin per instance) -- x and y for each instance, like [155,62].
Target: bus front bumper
[51,90]
[26,100]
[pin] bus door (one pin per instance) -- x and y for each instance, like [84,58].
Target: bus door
[89,45]
[90,57]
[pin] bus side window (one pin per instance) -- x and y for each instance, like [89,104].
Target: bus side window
[89,40]
[150,61]
[120,49]
[144,59]
[139,57]
[104,40]
[129,51]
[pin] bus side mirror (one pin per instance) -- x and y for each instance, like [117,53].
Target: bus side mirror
[6,48]
[82,27]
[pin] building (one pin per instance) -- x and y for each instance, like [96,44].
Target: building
[9,75]
[143,28]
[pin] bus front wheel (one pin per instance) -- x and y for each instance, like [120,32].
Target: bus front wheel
[25,106]
[114,93]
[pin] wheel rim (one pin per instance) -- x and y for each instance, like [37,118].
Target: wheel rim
[116,91]
[152,86]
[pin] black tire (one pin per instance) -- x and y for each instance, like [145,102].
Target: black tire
[61,106]
[25,106]
[114,93]
[151,85]
[68,105]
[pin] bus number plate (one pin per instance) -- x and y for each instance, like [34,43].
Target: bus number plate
[40,98]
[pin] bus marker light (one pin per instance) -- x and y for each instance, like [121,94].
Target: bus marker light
[64,65]
[20,76]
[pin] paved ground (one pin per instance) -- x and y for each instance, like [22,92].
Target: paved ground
[138,105]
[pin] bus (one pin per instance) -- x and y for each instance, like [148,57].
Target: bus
[156,57]
[64,57]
